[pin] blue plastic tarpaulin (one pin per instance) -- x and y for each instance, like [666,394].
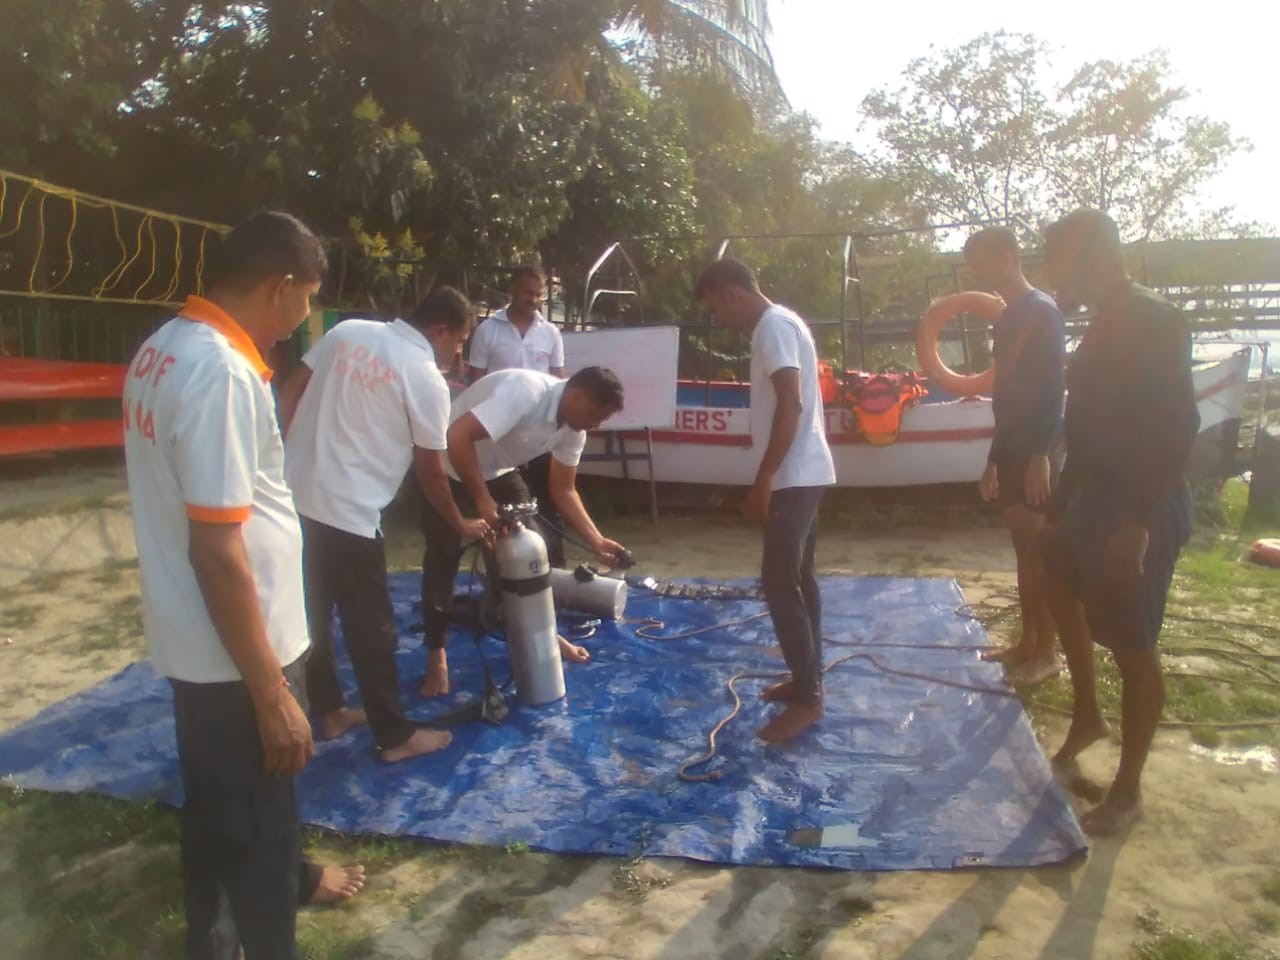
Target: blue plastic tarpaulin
[903,772]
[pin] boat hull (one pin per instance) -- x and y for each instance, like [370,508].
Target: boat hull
[943,442]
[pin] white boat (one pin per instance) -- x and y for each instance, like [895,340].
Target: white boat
[942,440]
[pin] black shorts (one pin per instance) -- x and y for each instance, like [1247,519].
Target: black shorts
[1011,472]
[1122,615]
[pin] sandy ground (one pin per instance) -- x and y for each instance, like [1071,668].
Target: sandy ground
[68,618]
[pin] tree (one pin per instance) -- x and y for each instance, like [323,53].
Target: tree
[727,39]
[1122,146]
[965,132]
[975,136]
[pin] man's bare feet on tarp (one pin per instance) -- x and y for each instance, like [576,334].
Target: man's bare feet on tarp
[436,683]
[779,692]
[419,744]
[791,722]
[337,722]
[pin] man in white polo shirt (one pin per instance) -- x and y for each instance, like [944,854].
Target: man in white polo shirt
[220,551]
[788,434]
[500,422]
[370,403]
[518,337]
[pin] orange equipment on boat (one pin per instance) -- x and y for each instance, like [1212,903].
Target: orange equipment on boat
[878,402]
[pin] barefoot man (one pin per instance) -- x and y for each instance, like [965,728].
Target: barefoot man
[1030,352]
[788,433]
[367,403]
[220,551]
[1122,511]
[500,422]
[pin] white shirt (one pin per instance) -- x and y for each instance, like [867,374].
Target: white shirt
[781,340]
[375,393]
[497,345]
[201,442]
[519,410]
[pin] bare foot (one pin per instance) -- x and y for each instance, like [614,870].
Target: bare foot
[572,652]
[791,722]
[786,690]
[436,683]
[1115,814]
[337,722]
[1071,776]
[338,884]
[1035,671]
[419,744]
[1018,653]
[1082,734]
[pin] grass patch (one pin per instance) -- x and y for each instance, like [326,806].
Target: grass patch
[378,854]
[1221,640]
[98,879]
[1180,945]
[321,940]
[95,878]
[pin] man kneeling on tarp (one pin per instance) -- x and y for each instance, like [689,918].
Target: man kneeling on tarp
[499,423]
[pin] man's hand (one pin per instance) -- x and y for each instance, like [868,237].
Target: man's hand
[608,551]
[1125,553]
[284,731]
[487,507]
[756,506]
[989,485]
[1038,485]
[476,528]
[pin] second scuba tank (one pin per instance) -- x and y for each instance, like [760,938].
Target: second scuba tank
[587,591]
[528,613]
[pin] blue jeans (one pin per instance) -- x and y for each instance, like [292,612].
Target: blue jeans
[790,584]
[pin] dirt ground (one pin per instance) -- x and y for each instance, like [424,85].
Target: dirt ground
[69,618]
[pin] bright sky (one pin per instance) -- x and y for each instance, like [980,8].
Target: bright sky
[831,53]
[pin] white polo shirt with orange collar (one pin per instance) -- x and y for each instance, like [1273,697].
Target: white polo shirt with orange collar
[202,443]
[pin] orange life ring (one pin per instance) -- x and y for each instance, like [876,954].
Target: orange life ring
[941,312]
[1266,552]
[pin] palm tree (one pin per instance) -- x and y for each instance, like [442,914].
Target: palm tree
[727,36]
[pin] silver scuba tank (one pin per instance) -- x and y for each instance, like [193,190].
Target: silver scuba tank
[528,613]
[587,591]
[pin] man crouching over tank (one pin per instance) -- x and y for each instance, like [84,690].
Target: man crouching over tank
[498,424]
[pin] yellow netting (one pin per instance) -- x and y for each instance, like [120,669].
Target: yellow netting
[61,243]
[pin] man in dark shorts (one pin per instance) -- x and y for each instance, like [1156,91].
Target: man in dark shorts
[1122,511]
[1030,353]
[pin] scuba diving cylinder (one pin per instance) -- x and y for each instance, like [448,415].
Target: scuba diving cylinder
[587,591]
[528,613]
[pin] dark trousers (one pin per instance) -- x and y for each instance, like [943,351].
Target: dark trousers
[350,572]
[443,551]
[241,844]
[791,584]
[537,475]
